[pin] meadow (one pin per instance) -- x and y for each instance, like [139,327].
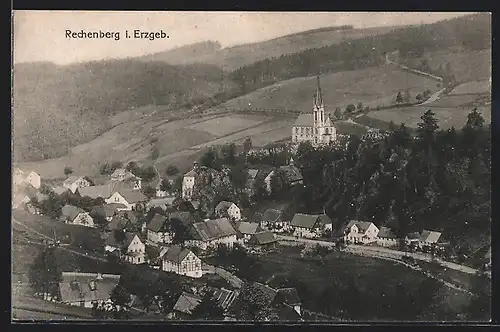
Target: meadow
[372,87]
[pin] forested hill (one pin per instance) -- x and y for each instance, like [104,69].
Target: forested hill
[440,180]
[471,32]
[56,107]
[231,58]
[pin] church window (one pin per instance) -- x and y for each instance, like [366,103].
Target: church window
[315,116]
[326,131]
[302,130]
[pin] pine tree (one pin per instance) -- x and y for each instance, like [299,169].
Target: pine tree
[399,98]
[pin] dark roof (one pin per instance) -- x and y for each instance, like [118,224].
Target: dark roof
[309,220]
[153,252]
[103,191]
[70,212]
[119,222]
[362,225]
[264,237]
[106,210]
[223,206]
[386,233]
[132,196]
[161,202]
[271,215]
[245,227]
[212,229]
[186,218]
[288,296]
[76,287]
[187,302]
[112,241]
[157,223]
[175,254]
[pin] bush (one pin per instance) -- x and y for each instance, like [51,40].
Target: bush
[67,170]
[172,170]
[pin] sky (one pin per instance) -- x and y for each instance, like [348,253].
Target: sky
[41,35]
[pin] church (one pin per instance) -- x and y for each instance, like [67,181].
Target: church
[314,127]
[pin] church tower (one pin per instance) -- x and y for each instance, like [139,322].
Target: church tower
[318,113]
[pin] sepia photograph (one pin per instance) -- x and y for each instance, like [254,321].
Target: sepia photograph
[297,167]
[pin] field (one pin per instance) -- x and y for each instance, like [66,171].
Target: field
[466,66]
[372,87]
[377,279]
[473,87]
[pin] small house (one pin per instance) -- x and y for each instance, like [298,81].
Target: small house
[129,198]
[106,211]
[184,306]
[310,225]
[86,289]
[124,221]
[33,178]
[360,232]
[272,220]
[123,175]
[211,233]
[181,261]
[74,215]
[386,238]
[94,192]
[76,182]
[162,203]
[263,239]
[247,229]
[229,210]
[158,230]
[129,246]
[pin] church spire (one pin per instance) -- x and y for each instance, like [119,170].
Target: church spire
[318,98]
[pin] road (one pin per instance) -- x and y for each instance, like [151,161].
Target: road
[390,253]
[435,96]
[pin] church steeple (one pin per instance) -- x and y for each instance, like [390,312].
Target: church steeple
[318,98]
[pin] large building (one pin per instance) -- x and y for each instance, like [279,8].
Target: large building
[316,127]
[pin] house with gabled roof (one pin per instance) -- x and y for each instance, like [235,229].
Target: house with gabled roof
[158,230]
[103,191]
[386,238]
[74,215]
[129,246]
[310,225]
[124,175]
[74,182]
[210,233]
[264,239]
[86,289]
[162,203]
[60,190]
[272,219]
[247,229]
[127,197]
[181,261]
[32,178]
[184,306]
[360,232]
[106,211]
[124,221]
[226,209]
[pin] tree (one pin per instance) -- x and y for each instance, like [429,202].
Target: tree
[427,93]
[166,185]
[399,98]
[260,188]
[428,127]
[407,96]
[148,191]
[208,309]
[155,153]
[120,296]
[104,169]
[67,170]
[172,170]
[419,97]
[350,108]
[338,112]
[247,145]
[475,121]
[238,176]
[44,274]
[254,304]
[179,231]
[209,159]
[360,106]
[229,154]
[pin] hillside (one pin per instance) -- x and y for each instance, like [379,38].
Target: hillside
[231,58]
[56,107]
[469,33]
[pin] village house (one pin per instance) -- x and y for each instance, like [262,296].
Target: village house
[74,215]
[105,211]
[386,238]
[188,182]
[310,225]
[272,220]
[32,178]
[158,230]
[263,240]
[76,182]
[210,233]
[360,232]
[247,229]
[124,221]
[184,306]
[103,191]
[181,261]
[292,173]
[129,198]
[162,203]
[128,246]
[123,175]
[186,218]
[229,210]
[429,238]
[86,289]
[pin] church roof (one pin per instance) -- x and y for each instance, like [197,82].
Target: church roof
[318,98]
